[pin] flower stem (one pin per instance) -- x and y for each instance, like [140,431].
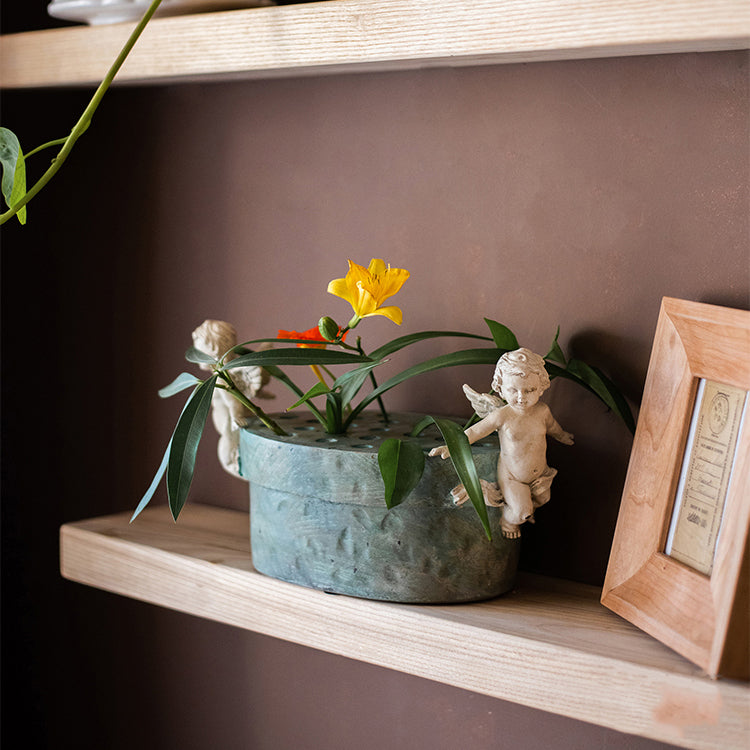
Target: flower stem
[85,120]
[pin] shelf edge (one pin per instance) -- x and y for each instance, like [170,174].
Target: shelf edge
[344,36]
[624,696]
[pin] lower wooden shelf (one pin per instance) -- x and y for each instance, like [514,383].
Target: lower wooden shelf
[548,644]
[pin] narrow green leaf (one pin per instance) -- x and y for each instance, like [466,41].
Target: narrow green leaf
[555,371]
[200,358]
[604,388]
[185,441]
[401,465]
[503,337]
[350,382]
[412,338]
[421,426]
[623,408]
[295,356]
[157,477]
[555,353]
[454,359]
[334,414]
[279,374]
[460,453]
[14,171]
[154,483]
[181,383]
[317,390]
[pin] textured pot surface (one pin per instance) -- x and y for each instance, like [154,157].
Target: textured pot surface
[318,517]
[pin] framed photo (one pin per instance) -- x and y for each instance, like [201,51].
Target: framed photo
[679,568]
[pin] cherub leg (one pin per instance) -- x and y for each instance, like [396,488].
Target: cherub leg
[519,507]
[541,489]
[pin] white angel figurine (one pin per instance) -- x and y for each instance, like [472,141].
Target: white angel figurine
[216,337]
[522,422]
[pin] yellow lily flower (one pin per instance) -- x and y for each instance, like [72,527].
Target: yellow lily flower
[365,289]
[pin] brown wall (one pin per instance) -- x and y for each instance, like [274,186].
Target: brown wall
[572,193]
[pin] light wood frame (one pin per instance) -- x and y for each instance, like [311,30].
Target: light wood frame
[704,618]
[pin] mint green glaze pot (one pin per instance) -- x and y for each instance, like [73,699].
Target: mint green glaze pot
[318,517]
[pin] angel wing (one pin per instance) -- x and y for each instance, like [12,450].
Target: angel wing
[483,403]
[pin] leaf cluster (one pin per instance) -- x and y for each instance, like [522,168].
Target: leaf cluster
[401,462]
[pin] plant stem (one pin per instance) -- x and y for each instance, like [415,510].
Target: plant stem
[58,142]
[245,401]
[85,120]
[374,382]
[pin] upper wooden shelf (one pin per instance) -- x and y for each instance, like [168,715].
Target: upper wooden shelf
[354,35]
[548,644]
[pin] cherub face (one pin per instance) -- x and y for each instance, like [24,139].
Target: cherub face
[521,392]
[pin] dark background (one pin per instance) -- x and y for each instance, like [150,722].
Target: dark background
[573,193]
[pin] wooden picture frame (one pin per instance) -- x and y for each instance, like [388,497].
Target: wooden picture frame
[704,617]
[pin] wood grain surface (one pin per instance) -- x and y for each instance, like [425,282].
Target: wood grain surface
[548,644]
[349,35]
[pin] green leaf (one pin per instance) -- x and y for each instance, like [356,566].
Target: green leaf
[14,171]
[279,374]
[623,408]
[185,441]
[454,359]
[157,477]
[200,358]
[503,337]
[460,453]
[604,388]
[317,390]
[350,382]
[182,382]
[412,338]
[421,426]
[154,483]
[334,414]
[295,356]
[555,353]
[401,465]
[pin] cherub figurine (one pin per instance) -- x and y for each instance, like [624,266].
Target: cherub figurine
[216,337]
[522,423]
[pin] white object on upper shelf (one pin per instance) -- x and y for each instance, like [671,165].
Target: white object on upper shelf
[97,12]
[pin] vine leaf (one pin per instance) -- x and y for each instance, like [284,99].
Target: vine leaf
[14,171]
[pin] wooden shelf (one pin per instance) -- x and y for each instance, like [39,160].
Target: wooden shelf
[548,644]
[354,35]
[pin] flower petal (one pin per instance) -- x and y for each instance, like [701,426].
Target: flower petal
[392,313]
[365,289]
[366,304]
[357,274]
[389,283]
[340,288]
[377,266]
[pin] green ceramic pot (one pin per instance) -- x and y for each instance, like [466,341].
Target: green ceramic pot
[318,517]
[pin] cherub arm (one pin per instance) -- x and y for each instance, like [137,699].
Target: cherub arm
[476,432]
[557,432]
